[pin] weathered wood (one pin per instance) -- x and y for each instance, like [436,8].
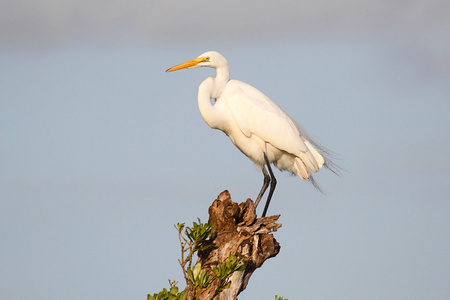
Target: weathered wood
[237,230]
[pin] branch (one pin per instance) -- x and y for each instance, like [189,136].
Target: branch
[235,231]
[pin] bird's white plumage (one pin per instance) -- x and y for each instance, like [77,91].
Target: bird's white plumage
[255,114]
[255,124]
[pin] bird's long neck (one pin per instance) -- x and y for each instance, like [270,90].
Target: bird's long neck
[222,77]
[211,88]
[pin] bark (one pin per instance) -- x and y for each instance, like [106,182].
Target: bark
[237,230]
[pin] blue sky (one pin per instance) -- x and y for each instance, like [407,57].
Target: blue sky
[102,152]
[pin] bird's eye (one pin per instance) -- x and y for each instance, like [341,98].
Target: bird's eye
[206,59]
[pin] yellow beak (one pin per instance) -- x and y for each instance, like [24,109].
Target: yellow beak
[185,65]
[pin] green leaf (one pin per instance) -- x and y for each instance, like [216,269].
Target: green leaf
[174,290]
[196,270]
[190,275]
[180,227]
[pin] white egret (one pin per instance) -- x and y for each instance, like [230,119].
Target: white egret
[255,125]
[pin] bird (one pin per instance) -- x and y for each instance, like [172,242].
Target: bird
[257,126]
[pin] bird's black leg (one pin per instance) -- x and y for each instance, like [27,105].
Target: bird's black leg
[264,187]
[273,183]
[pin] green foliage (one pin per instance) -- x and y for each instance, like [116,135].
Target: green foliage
[224,271]
[279,298]
[198,234]
[198,277]
[171,294]
[194,239]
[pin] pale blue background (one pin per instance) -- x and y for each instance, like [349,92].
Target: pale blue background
[102,152]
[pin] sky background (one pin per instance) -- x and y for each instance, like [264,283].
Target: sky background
[102,152]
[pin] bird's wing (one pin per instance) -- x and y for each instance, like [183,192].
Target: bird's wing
[256,114]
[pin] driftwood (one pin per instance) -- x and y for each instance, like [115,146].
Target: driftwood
[236,230]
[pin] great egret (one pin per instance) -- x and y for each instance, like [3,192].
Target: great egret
[255,124]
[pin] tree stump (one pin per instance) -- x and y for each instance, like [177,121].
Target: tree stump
[237,230]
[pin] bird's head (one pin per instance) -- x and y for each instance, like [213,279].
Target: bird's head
[211,59]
